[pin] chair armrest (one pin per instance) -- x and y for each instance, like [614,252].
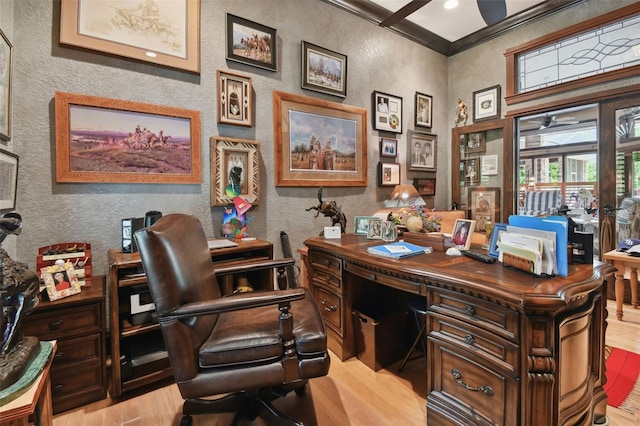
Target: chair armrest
[237,302]
[255,266]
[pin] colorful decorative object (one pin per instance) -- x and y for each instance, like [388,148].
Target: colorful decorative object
[429,221]
[234,220]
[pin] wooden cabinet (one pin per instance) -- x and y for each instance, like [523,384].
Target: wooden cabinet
[78,373]
[137,350]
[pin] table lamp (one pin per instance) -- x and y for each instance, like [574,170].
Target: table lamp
[404,195]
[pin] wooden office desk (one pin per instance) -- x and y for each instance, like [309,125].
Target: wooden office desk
[503,347]
[35,401]
[621,261]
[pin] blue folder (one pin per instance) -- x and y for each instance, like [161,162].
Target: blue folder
[557,224]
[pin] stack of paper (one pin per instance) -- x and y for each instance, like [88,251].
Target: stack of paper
[522,246]
[544,228]
[398,250]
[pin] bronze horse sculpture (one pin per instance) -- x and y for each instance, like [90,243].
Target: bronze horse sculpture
[332,210]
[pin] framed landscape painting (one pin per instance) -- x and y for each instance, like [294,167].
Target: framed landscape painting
[116,141]
[324,70]
[251,43]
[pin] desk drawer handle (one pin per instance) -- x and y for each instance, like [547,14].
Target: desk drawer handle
[55,325]
[326,263]
[58,388]
[469,311]
[58,356]
[326,308]
[468,339]
[457,376]
[372,277]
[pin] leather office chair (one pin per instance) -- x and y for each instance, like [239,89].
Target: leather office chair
[253,347]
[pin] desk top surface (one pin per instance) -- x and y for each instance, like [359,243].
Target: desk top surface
[437,268]
[614,255]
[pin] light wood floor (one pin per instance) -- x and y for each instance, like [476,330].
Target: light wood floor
[352,394]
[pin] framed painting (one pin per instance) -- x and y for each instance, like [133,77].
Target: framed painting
[6,60]
[387,112]
[388,174]
[498,228]
[388,147]
[485,206]
[361,224]
[235,170]
[9,173]
[463,233]
[251,43]
[324,70]
[472,170]
[60,281]
[235,99]
[168,35]
[115,141]
[425,186]
[421,151]
[318,143]
[423,110]
[375,229]
[486,104]
[475,143]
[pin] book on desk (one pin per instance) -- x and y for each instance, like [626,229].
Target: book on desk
[398,250]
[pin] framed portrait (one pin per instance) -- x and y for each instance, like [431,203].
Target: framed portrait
[388,174]
[475,143]
[235,170]
[486,104]
[472,170]
[387,112]
[498,228]
[115,141]
[324,70]
[318,143]
[60,281]
[485,206]
[462,233]
[421,151]
[9,173]
[425,186]
[489,165]
[6,61]
[170,36]
[424,110]
[388,147]
[361,224]
[375,229]
[251,43]
[235,99]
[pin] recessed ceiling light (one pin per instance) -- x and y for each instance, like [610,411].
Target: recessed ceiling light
[151,54]
[450,4]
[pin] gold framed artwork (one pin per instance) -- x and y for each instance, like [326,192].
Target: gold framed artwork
[318,143]
[235,99]
[115,141]
[235,170]
[6,60]
[166,34]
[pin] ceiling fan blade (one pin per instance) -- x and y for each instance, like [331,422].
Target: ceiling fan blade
[403,12]
[492,11]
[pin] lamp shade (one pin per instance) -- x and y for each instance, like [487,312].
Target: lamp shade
[404,195]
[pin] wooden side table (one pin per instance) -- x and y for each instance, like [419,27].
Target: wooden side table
[621,261]
[35,401]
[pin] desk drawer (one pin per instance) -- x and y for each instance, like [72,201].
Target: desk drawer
[323,262]
[320,277]
[384,279]
[72,388]
[494,318]
[330,305]
[86,349]
[56,324]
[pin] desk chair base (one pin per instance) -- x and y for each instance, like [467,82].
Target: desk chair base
[246,405]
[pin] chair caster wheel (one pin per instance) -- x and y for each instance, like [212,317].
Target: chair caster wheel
[301,391]
[186,420]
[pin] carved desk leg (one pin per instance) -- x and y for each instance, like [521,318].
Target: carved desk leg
[633,279]
[619,289]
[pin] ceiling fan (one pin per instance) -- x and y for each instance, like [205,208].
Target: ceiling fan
[492,11]
[547,121]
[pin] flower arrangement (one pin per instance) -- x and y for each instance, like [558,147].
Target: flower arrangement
[430,221]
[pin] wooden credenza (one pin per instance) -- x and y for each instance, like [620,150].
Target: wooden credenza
[137,349]
[504,348]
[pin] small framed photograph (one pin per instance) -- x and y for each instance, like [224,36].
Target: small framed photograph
[485,206]
[489,165]
[472,170]
[424,110]
[251,43]
[60,281]
[475,143]
[425,186]
[6,59]
[361,225]
[235,99]
[388,147]
[498,228]
[387,112]
[486,104]
[462,233]
[9,172]
[235,170]
[324,70]
[421,151]
[388,174]
[375,229]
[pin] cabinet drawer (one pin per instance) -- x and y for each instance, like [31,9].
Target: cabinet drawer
[73,351]
[468,390]
[57,324]
[319,277]
[489,316]
[72,388]
[489,347]
[329,264]
[330,306]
